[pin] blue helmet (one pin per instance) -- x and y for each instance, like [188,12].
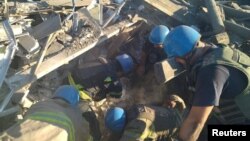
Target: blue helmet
[115,119]
[126,62]
[181,41]
[68,93]
[158,34]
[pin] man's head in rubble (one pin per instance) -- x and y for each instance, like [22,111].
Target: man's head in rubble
[183,43]
[157,35]
[125,64]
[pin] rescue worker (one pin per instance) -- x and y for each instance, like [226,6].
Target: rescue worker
[218,75]
[144,122]
[57,119]
[101,76]
[153,51]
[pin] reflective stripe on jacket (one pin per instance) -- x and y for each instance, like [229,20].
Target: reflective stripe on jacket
[48,120]
[57,118]
[151,122]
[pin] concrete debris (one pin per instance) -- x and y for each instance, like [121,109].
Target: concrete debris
[221,38]
[114,14]
[43,32]
[42,41]
[215,18]
[25,8]
[236,13]
[17,30]
[238,29]
[47,27]
[167,70]
[28,43]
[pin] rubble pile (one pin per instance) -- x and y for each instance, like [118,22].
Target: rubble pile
[38,37]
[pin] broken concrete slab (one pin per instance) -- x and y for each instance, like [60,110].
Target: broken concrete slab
[85,17]
[55,48]
[78,3]
[221,38]
[23,8]
[231,12]
[28,43]
[167,70]
[181,13]
[170,8]
[47,27]
[215,16]
[238,29]
[127,33]
[22,78]
[17,30]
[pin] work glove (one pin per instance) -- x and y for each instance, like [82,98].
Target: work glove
[174,101]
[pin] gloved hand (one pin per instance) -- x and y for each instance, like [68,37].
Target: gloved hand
[174,101]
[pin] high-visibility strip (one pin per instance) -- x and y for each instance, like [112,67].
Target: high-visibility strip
[147,133]
[151,132]
[142,136]
[108,80]
[79,87]
[57,118]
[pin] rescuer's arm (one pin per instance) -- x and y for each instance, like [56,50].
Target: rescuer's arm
[192,126]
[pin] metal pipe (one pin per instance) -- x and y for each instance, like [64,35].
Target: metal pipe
[100,12]
[43,53]
[7,99]
[10,51]
[117,11]
[71,14]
